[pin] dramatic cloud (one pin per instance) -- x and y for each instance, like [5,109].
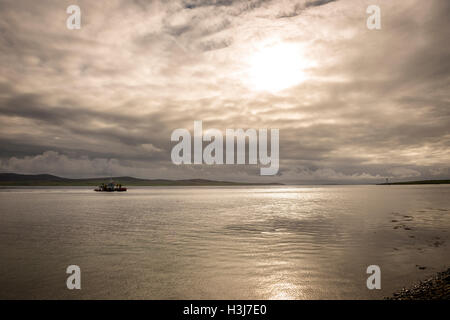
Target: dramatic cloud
[352,104]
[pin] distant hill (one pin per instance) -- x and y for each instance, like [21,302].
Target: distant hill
[14,179]
[418,182]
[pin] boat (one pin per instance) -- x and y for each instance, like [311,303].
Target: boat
[110,187]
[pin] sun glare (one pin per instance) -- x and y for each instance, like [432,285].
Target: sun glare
[277,68]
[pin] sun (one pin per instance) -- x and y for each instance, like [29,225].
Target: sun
[278,67]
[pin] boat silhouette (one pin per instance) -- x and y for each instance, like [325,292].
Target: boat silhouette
[110,187]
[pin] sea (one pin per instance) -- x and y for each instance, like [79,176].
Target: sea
[240,242]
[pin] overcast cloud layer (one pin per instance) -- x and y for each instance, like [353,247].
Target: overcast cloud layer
[104,99]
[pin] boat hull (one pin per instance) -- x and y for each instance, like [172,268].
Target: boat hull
[106,190]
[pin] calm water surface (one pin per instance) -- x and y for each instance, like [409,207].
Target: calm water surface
[221,243]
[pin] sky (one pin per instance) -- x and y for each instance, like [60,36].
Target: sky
[352,105]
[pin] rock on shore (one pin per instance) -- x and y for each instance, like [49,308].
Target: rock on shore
[435,288]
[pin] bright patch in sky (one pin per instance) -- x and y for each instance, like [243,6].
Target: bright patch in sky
[277,68]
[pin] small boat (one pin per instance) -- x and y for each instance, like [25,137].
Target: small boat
[110,187]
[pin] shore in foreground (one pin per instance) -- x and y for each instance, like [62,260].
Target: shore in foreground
[434,288]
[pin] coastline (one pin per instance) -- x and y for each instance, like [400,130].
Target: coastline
[48,180]
[414,182]
[436,287]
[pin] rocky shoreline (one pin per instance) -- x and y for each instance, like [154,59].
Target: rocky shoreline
[434,288]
